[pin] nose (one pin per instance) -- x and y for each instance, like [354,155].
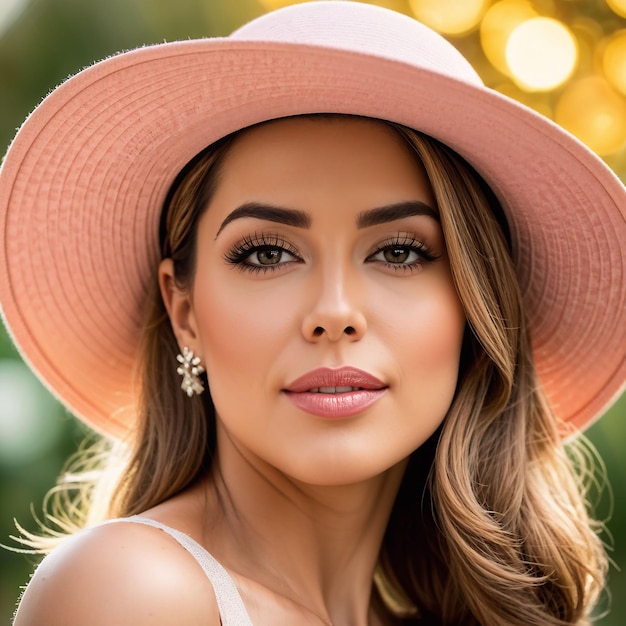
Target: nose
[335,312]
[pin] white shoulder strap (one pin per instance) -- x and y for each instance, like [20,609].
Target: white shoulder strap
[231,607]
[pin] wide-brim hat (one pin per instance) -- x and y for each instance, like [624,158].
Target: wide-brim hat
[83,184]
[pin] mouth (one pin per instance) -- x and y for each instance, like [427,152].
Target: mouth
[326,380]
[335,393]
[344,389]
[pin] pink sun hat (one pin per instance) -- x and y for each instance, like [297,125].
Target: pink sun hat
[83,184]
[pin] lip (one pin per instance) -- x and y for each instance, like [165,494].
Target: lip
[305,394]
[340,377]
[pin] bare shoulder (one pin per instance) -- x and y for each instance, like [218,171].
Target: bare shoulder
[122,574]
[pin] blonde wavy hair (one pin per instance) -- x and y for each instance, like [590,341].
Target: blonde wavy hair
[491,523]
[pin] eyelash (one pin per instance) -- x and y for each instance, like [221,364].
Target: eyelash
[425,254]
[240,253]
[244,249]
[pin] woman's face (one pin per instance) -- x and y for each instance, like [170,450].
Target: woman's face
[322,305]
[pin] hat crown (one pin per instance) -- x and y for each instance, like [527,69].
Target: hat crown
[363,29]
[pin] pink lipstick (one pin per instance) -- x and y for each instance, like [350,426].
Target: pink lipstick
[330,393]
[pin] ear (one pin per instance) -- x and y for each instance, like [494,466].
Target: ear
[179,306]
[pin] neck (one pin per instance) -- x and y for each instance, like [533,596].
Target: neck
[315,545]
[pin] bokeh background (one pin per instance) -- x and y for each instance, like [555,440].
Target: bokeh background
[565,58]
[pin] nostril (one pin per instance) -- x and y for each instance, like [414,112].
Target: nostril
[318,331]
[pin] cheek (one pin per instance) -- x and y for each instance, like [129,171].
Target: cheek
[442,328]
[427,326]
[240,334]
[431,353]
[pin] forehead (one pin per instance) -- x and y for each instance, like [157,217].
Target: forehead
[320,152]
[306,132]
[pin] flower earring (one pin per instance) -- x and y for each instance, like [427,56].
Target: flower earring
[190,369]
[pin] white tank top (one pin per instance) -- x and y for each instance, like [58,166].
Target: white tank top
[231,607]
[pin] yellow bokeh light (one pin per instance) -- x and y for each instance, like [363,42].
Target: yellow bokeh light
[271,5]
[619,6]
[614,61]
[541,54]
[594,112]
[498,24]
[451,17]
[401,6]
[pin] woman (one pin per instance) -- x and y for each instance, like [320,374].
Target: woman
[364,433]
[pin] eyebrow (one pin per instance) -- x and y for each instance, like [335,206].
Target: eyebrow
[300,219]
[397,211]
[289,217]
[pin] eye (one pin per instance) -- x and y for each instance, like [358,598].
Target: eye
[266,255]
[262,253]
[396,254]
[403,252]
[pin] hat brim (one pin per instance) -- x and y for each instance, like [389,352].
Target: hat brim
[85,179]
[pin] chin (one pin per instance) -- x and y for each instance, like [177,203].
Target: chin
[346,470]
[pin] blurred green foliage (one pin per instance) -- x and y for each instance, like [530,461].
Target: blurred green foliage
[51,39]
